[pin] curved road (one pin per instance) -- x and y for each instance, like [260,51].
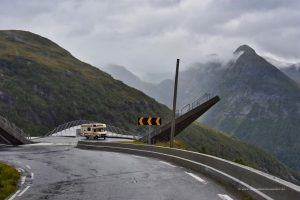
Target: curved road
[58,172]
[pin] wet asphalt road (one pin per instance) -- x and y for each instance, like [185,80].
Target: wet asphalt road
[63,172]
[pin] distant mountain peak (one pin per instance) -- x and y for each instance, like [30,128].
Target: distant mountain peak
[244,48]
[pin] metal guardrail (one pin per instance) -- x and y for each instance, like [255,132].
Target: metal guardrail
[113,129]
[110,128]
[190,106]
[68,125]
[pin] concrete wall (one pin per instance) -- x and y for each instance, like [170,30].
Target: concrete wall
[256,184]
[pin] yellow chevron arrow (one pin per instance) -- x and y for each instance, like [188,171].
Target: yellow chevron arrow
[157,121]
[149,121]
[141,121]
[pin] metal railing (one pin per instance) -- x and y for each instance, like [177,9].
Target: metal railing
[199,101]
[118,131]
[190,106]
[112,129]
[68,125]
[11,128]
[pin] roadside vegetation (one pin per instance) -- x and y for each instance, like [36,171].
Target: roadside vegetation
[9,178]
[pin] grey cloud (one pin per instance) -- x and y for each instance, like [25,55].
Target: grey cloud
[150,34]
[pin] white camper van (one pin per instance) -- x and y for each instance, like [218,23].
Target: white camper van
[93,131]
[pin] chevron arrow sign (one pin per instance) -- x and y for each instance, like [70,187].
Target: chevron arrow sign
[149,121]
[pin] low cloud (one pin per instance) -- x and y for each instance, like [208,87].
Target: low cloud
[149,35]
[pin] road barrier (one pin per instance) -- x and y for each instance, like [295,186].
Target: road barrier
[256,184]
[11,134]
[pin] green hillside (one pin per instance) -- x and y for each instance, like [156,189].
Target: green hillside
[42,86]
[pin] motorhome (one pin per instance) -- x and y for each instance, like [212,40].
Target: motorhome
[93,131]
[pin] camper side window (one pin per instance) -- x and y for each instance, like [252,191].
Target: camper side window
[89,129]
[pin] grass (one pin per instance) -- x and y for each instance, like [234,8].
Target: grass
[178,144]
[131,142]
[9,178]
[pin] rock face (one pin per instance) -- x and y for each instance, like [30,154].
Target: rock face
[42,86]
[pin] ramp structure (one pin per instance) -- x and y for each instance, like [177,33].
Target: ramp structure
[192,113]
[10,134]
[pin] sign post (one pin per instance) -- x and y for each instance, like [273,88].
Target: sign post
[174,106]
[149,135]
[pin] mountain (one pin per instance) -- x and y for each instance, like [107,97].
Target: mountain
[42,85]
[121,73]
[293,72]
[259,104]
[156,76]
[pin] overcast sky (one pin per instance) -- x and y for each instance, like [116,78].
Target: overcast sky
[149,35]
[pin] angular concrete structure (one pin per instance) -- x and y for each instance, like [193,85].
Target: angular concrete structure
[181,122]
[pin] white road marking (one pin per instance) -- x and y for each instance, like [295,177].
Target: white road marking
[139,156]
[23,178]
[169,164]
[225,197]
[40,144]
[28,166]
[32,175]
[196,177]
[53,144]
[24,191]
[13,196]
[20,170]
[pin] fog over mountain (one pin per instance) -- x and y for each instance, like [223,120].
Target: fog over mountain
[293,72]
[290,69]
